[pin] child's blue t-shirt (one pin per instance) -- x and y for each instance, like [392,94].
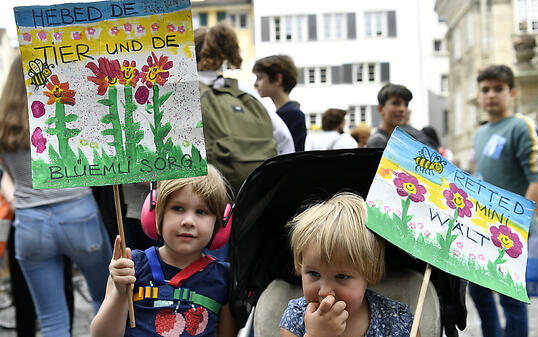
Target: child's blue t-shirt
[165,316]
[388,317]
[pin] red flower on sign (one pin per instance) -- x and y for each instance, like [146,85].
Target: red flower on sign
[156,71]
[408,185]
[503,237]
[59,92]
[107,74]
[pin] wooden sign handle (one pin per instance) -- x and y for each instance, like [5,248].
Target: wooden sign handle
[420,302]
[123,250]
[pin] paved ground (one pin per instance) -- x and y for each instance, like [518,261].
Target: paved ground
[83,316]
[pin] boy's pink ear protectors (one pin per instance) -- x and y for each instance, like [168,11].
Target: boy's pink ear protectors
[149,226]
[147,217]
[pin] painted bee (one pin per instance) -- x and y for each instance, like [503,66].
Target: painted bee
[39,72]
[429,161]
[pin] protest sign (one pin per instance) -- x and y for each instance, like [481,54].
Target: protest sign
[112,92]
[444,216]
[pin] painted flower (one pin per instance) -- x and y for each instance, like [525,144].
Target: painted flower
[107,74]
[42,35]
[38,141]
[142,95]
[186,143]
[456,198]
[503,237]
[516,277]
[76,35]
[57,36]
[171,27]
[128,27]
[384,172]
[114,30]
[472,256]
[459,244]
[427,233]
[91,31]
[181,29]
[38,109]
[156,70]
[420,226]
[481,257]
[371,203]
[407,185]
[456,252]
[83,142]
[59,92]
[27,37]
[412,225]
[129,73]
[155,27]
[398,212]
[140,28]
[502,269]
[386,208]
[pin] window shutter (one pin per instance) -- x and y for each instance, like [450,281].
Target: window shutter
[265,28]
[376,119]
[336,74]
[351,26]
[385,72]
[348,75]
[391,18]
[312,28]
[300,77]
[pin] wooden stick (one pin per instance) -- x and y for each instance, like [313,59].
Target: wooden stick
[123,250]
[420,302]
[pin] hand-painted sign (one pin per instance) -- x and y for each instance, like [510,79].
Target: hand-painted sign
[428,207]
[112,92]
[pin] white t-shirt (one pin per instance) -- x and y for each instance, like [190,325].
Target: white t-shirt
[329,140]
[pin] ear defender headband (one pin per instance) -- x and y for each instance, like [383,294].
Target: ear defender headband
[149,223]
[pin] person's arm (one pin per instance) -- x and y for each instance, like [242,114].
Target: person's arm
[227,325]
[111,318]
[286,333]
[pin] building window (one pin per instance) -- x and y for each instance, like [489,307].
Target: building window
[243,20]
[311,75]
[313,119]
[358,72]
[380,23]
[203,19]
[444,83]
[437,45]
[371,72]
[299,27]
[276,22]
[327,26]
[363,113]
[352,118]
[288,20]
[221,16]
[339,26]
[238,20]
[526,16]
[323,75]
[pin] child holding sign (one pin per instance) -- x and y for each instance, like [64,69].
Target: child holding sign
[176,287]
[337,256]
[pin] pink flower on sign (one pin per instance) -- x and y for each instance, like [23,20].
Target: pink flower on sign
[420,225]
[57,36]
[155,27]
[427,233]
[412,225]
[456,252]
[181,29]
[398,212]
[171,27]
[502,269]
[386,208]
[128,27]
[481,257]
[371,203]
[459,244]
[504,238]
[456,198]
[516,277]
[114,30]
[407,185]
[472,256]
[42,35]
[76,35]
[27,37]
[38,109]
[38,141]
[90,30]
[140,28]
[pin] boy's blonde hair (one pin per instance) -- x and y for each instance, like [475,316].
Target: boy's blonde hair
[212,188]
[339,224]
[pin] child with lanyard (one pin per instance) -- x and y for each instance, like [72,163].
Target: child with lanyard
[178,291]
[337,257]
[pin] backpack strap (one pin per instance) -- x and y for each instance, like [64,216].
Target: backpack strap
[155,265]
[190,270]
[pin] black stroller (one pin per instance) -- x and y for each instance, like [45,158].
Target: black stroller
[275,192]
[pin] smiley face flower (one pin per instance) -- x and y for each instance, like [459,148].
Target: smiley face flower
[456,198]
[156,71]
[59,92]
[503,237]
[407,185]
[129,73]
[107,74]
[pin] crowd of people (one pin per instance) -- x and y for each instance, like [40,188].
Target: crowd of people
[54,228]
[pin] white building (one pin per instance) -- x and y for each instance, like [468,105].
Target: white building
[346,50]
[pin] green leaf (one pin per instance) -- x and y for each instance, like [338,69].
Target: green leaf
[130,107]
[50,120]
[168,145]
[149,111]
[408,218]
[105,101]
[200,124]
[71,118]
[69,133]
[139,135]
[54,156]
[149,106]
[108,132]
[164,97]
[51,131]
[108,118]
[441,240]
[166,129]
